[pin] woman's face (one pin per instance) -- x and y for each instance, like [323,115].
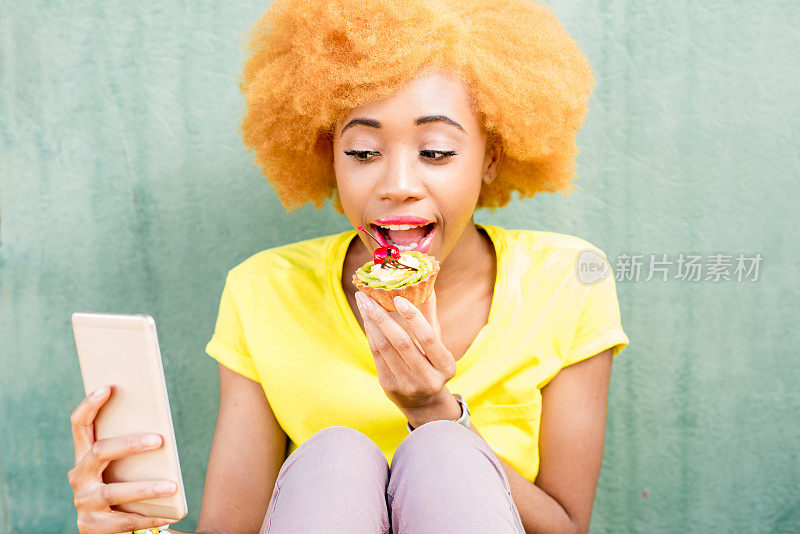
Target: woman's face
[420,152]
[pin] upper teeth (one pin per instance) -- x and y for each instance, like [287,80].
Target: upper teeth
[400,226]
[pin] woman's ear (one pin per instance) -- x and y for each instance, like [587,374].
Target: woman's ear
[494,151]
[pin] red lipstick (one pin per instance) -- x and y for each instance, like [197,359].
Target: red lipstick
[403,219]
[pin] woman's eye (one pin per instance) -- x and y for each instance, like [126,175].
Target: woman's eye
[435,155]
[432,154]
[361,155]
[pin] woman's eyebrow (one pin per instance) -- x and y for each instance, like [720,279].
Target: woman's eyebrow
[372,123]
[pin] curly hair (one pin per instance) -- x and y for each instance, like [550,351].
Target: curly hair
[311,62]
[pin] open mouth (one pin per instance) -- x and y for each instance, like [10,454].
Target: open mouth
[418,238]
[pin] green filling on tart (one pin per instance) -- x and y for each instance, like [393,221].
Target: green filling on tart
[400,277]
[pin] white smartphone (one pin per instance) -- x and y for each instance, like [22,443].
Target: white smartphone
[123,350]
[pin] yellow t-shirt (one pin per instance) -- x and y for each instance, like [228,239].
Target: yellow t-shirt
[284,322]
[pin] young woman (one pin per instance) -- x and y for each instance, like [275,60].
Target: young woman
[410,115]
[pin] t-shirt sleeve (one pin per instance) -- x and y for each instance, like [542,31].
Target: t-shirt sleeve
[599,326]
[228,345]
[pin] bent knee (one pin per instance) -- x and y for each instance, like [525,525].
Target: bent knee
[345,442]
[436,439]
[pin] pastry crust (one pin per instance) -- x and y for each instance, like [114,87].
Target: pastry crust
[416,293]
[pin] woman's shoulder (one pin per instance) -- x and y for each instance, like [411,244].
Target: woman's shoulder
[545,241]
[304,255]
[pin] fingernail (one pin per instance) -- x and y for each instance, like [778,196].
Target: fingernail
[165,487]
[369,304]
[361,302]
[150,440]
[99,392]
[401,304]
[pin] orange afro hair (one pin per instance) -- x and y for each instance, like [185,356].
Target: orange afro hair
[311,62]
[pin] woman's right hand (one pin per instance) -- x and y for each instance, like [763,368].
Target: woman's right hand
[94,498]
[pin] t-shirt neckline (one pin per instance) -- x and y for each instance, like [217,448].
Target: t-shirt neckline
[334,259]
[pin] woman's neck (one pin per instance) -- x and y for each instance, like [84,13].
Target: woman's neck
[472,258]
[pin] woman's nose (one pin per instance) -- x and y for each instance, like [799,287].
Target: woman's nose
[400,183]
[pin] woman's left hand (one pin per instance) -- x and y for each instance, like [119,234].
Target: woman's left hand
[412,362]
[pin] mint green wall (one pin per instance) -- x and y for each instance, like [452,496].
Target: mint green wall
[125,188]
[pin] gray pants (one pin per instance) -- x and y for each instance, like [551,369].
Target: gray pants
[444,478]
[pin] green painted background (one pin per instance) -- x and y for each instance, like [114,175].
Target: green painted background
[125,188]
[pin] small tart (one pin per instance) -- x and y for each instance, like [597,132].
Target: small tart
[383,283]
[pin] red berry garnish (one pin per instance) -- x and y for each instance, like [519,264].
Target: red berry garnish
[381,252]
[393,251]
[388,254]
[379,255]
